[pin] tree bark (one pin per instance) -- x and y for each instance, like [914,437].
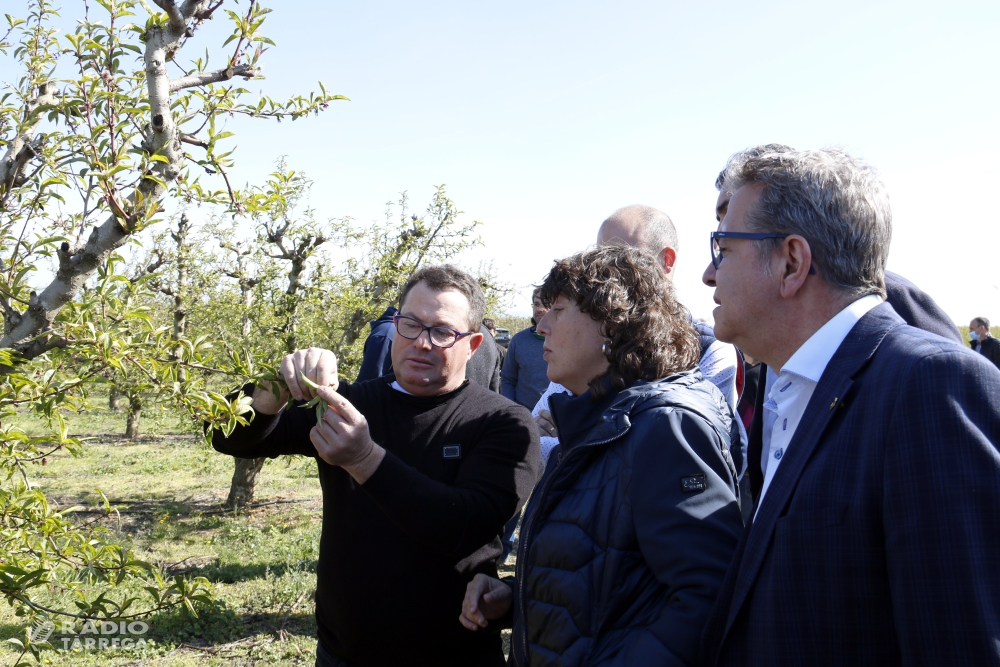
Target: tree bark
[180,291]
[25,333]
[241,490]
[114,400]
[132,420]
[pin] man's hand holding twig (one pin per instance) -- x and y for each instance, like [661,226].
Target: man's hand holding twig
[342,439]
[316,364]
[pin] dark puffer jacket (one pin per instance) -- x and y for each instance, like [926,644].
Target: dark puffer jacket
[627,537]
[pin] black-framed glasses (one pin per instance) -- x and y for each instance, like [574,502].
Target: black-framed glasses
[407,327]
[754,236]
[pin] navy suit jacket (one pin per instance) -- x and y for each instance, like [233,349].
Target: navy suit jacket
[879,538]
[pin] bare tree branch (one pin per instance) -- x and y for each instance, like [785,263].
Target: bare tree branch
[193,140]
[244,70]
[23,148]
[177,20]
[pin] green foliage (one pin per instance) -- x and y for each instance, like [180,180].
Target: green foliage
[94,135]
[90,133]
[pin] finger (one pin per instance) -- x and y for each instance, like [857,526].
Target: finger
[320,440]
[311,360]
[326,369]
[341,405]
[316,360]
[333,419]
[469,625]
[288,371]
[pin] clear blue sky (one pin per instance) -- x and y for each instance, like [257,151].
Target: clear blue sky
[544,117]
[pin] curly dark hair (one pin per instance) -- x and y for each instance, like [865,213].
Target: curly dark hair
[626,290]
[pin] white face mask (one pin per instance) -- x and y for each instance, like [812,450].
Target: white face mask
[973,335]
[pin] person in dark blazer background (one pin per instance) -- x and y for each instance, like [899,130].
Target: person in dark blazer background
[983,341]
[876,529]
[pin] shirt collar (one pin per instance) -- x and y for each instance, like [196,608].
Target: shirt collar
[811,359]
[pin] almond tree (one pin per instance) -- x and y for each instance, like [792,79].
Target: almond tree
[94,136]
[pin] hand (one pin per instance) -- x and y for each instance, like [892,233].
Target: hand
[546,425]
[342,439]
[319,365]
[486,599]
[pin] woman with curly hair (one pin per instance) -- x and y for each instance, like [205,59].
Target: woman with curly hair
[627,536]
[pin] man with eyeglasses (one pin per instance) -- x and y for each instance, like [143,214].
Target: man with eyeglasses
[875,529]
[420,470]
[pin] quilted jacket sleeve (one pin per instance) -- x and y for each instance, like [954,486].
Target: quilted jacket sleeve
[687,524]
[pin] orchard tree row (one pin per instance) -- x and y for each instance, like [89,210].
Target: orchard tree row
[132,265]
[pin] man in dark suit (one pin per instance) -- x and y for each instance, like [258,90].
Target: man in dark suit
[876,530]
[983,341]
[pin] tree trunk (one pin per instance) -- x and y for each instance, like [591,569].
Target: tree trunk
[244,482]
[114,400]
[132,420]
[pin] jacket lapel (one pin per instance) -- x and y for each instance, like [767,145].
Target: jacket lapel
[851,357]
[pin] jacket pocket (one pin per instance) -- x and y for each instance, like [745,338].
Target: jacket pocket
[812,520]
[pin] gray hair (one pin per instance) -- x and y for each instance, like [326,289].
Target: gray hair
[445,277]
[756,151]
[983,322]
[658,231]
[836,202]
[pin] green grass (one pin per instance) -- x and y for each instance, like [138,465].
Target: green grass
[169,485]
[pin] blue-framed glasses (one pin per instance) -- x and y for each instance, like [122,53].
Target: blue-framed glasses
[753,236]
[443,337]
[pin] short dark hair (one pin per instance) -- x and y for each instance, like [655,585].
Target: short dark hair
[444,277]
[626,290]
[489,323]
[983,322]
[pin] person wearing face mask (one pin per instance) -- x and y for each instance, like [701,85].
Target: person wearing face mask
[983,341]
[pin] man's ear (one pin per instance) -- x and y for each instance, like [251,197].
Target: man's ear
[474,341]
[668,256]
[794,262]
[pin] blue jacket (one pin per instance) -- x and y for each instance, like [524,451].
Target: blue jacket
[524,376]
[377,360]
[879,537]
[627,537]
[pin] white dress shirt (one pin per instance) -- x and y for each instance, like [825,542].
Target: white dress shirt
[788,392]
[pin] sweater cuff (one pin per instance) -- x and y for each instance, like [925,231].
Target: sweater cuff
[389,478]
[507,620]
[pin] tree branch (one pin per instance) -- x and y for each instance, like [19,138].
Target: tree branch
[193,140]
[22,148]
[177,19]
[244,70]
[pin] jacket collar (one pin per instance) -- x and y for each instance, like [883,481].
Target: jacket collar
[849,360]
[617,418]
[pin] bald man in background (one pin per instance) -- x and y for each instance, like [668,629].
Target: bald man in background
[653,231]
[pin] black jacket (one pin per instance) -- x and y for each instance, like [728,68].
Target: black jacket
[627,537]
[989,348]
[917,308]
